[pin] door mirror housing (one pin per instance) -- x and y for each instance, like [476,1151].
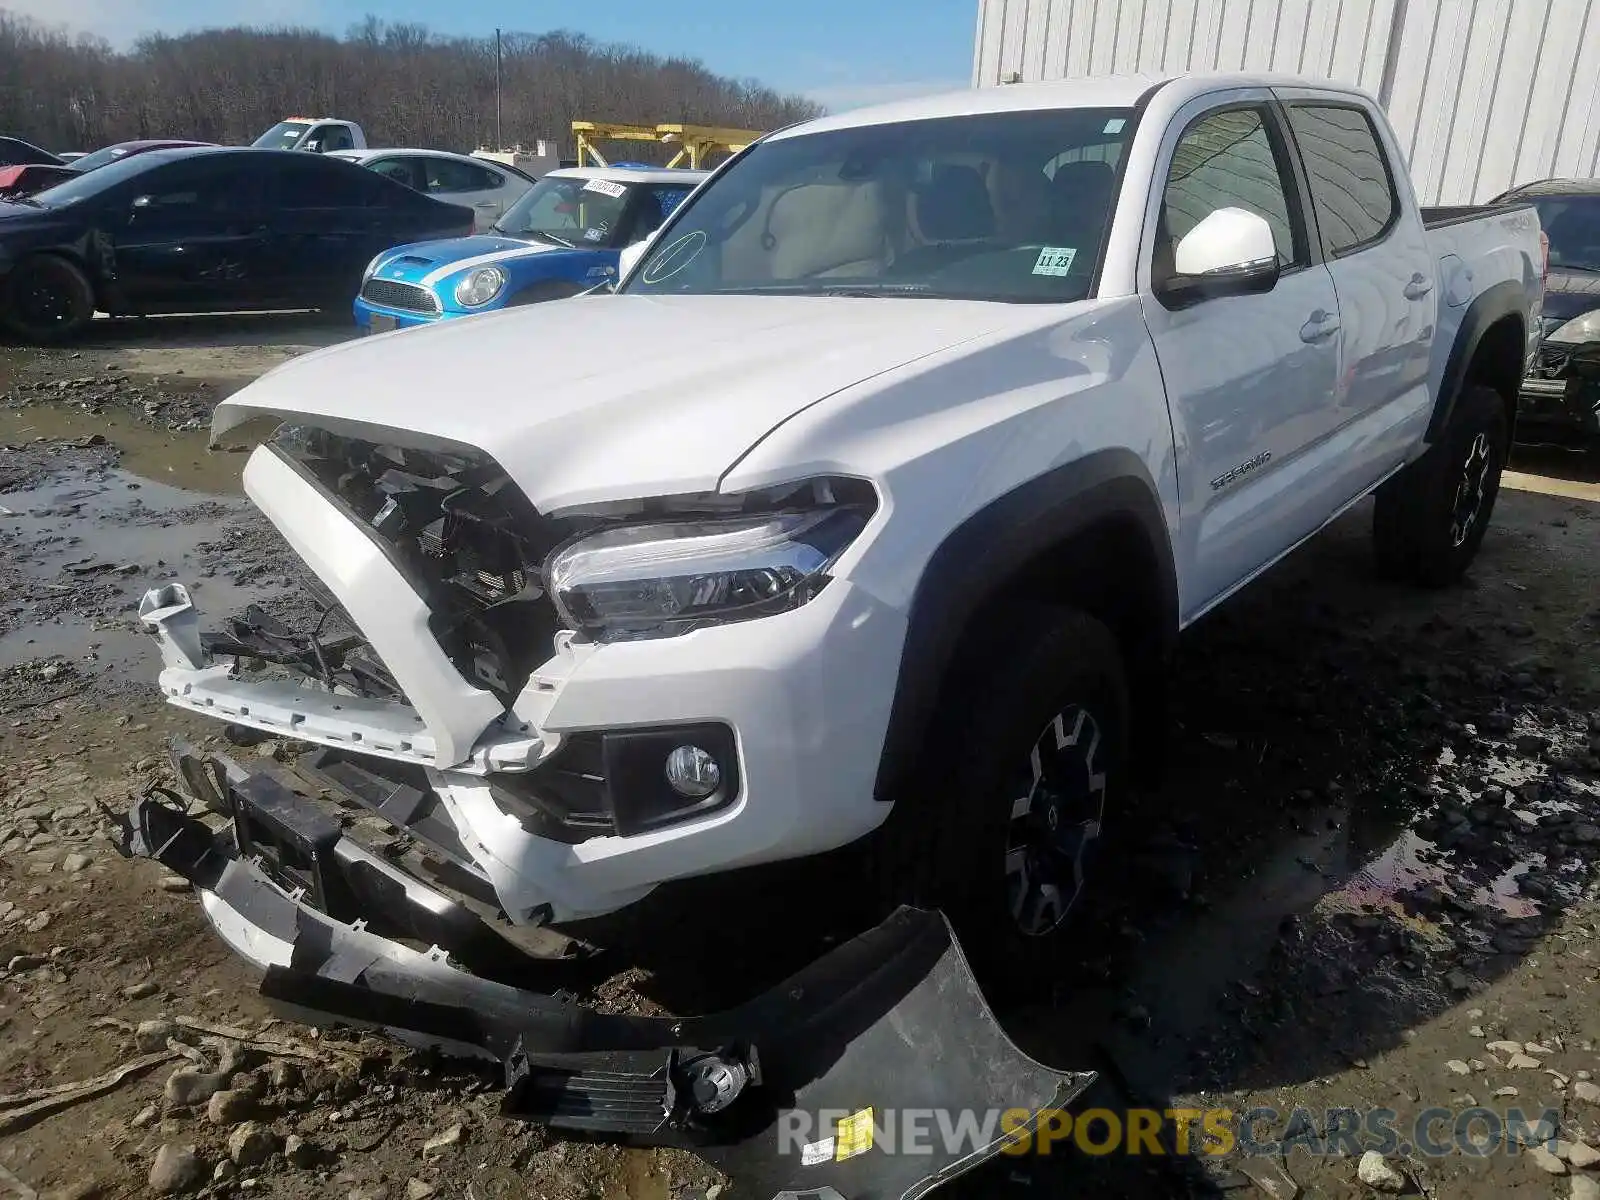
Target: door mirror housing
[631,255]
[1230,253]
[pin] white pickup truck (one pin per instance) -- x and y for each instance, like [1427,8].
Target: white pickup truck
[318,135]
[937,423]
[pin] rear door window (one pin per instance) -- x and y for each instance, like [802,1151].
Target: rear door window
[336,137]
[314,182]
[1352,185]
[447,176]
[402,170]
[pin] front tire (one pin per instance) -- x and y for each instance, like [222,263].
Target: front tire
[1430,519]
[47,300]
[1022,776]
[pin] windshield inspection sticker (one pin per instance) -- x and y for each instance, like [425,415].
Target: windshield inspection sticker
[1055,260]
[1114,125]
[605,187]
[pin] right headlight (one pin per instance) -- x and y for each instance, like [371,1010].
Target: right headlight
[477,287]
[1580,329]
[372,267]
[659,580]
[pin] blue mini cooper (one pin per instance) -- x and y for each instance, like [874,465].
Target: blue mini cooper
[562,237]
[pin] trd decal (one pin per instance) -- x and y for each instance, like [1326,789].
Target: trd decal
[1239,472]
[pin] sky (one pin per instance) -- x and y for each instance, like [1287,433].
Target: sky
[842,53]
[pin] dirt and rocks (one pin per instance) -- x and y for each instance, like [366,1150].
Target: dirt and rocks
[1367,883]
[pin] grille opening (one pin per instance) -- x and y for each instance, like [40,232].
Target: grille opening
[463,535]
[405,296]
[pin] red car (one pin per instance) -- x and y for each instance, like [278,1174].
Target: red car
[110,154]
[26,179]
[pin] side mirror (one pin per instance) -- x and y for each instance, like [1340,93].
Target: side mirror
[1230,253]
[631,255]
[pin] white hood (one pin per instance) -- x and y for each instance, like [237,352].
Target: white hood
[611,397]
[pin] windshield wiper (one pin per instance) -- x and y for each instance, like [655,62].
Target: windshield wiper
[877,289]
[550,237]
[1575,267]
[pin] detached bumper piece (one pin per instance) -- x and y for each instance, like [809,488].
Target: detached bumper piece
[889,1023]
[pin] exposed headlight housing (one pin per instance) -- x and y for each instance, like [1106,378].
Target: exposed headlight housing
[1580,329]
[479,286]
[636,581]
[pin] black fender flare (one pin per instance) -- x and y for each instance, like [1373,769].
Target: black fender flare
[986,551]
[1506,299]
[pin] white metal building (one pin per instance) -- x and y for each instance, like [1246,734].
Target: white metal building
[1483,94]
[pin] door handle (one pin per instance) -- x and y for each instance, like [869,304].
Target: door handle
[1418,286]
[485,204]
[1321,324]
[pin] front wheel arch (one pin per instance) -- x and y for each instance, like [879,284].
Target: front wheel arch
[1090,535]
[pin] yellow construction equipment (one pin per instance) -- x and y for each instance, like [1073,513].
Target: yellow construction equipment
[694,142]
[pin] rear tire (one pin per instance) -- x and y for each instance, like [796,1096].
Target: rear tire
[1431,518]
[1024,768]
[47,300]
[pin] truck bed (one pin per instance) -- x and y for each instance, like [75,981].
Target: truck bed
[1434,217]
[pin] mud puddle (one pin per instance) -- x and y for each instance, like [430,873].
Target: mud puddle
[158,455]
[80,551]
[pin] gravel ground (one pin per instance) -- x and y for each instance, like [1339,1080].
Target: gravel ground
[1369,873]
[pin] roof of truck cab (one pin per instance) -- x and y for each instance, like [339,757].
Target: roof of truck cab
[1111,91]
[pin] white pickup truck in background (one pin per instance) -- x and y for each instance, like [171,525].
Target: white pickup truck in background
[318,135]
[938,423]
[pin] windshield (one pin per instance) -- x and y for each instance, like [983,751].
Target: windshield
[99,158]
[83,185]
[1003,206]
[567,211]
[1572,223]
[282,136]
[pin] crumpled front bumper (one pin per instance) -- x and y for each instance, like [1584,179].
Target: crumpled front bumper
[1560,398]
[890,1022]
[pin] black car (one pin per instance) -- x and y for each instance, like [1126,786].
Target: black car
[203,230]
[1561,395]
[14,152]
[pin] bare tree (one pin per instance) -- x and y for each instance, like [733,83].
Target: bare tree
[403,83]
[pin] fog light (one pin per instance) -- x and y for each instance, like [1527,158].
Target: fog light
[693,772]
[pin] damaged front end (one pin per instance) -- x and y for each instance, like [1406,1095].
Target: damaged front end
[1560,398]
[413,870]
[889,1022]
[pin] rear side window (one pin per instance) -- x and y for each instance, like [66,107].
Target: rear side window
[336,137]
[401,170]
[448,175]
[316,182]
[1352,188]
